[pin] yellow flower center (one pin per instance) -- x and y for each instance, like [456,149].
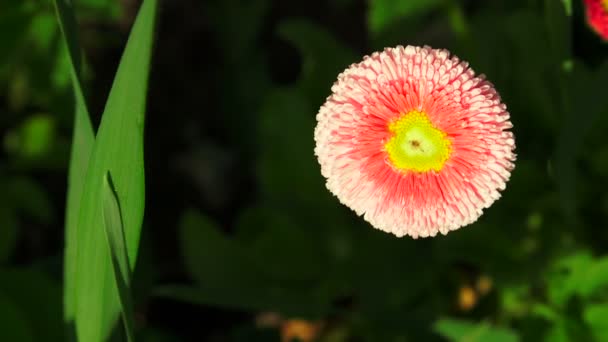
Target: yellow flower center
[416,145]
[605,3]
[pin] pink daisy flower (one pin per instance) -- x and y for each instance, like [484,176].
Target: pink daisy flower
[416,143]
[597,16]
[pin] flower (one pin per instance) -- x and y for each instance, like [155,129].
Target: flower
[597,16]
[415,142]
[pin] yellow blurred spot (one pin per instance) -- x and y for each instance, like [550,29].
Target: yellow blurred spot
[484,285]
[467,298]
[299,330]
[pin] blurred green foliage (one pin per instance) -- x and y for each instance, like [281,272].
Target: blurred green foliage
[268,237]
[455,330]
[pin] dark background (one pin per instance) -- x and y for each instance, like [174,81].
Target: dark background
[242,242]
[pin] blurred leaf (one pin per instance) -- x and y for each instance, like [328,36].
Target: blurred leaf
[557,333]
[228,276]
[14,324]
[458,20]
[383,13]
[464,331]
[529,85]
[38,299]
[211,257]
[578,274]
[568,329]
[83,138]
[514,300]
[282,248]
[34,138]
[118,149]
[43,30]
[565,277]
[545,312]
[596,316]
[287,170]
[568,7]
[115,236]
[594,278]
[61,76]
[322,54]
[8,231]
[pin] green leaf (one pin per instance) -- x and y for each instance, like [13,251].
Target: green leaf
[596,317]
[465,331]
[544,311]
[594,278]
[578,274]
[565,277]
[118,252]
[383,13]
[118,149]
[558,332]
[83,138]
[568,328]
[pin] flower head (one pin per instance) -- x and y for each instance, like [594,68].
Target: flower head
[597,16]
[416,143]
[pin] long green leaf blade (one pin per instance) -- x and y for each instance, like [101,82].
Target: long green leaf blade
[115,236]
[118,149]
[83,138]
